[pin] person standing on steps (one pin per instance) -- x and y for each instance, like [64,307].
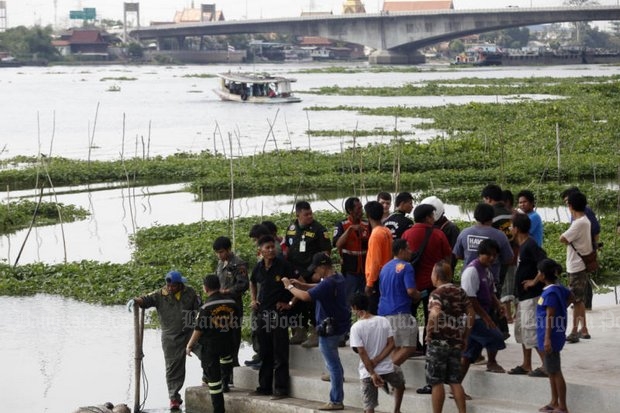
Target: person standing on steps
[333,318]
[271,301]
[215,325]
[304,238]
[372,339]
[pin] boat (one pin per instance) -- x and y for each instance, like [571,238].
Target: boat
[255,88]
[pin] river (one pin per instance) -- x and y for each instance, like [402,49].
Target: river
[57,353]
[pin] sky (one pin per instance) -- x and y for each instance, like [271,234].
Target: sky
[31,12]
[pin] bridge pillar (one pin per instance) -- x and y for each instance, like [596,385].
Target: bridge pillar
[390,57]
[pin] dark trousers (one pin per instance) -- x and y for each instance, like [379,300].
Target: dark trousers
[273,377]
[217,365]
[414,312]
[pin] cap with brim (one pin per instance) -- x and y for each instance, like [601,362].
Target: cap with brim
[318,259]
[175,277]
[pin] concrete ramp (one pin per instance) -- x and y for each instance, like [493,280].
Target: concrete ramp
[591,369]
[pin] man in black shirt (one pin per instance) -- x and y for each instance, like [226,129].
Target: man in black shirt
[217,319]
[272,303]
[398,222]
[527,290]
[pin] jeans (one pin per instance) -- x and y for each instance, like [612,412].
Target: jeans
[354,283]
[329,349]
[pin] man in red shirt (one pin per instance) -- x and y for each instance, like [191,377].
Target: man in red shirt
[437,248]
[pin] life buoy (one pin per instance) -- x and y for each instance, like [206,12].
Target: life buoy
[244,96]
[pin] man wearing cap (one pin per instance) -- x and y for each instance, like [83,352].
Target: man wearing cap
[332,315]
[177,305]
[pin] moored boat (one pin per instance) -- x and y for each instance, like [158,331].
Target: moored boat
[255,88]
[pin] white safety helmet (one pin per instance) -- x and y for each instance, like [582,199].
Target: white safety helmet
[436,202]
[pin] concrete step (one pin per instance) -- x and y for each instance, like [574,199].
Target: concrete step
[314,392]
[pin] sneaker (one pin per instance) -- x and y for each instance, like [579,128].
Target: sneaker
[332,406]
[255,360]
[572,338]
[257,365]
[175,404]
[312,341]
[428,389]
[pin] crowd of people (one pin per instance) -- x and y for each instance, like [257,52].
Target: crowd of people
[389,265]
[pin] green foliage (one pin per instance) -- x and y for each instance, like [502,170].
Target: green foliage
[18,215]
[135,51]
[29,43]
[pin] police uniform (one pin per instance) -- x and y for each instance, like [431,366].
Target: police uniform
[176,313]
[302,243]
[233,276]
[218,318]
[272,328]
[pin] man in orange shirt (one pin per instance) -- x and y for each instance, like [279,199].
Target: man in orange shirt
[379,251]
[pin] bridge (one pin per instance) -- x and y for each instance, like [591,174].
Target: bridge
[396,37]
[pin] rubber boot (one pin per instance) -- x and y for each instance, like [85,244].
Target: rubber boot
[312,341]
[299,335]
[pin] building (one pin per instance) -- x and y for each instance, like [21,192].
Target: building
[417,5]
[89,44]
[353,6]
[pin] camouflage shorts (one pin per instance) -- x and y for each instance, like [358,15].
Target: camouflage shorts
[443,364]
[370,394]
[578,282]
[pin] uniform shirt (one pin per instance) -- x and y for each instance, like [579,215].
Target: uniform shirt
[395,278]
[579,234]
[271,289]
[379,252]
[555,296]
[233,275]
[398,223]
[217,318]
[331,301]
[302,243]
[452,302]
[354,251]
[530,254]
[436,249]
[176,311]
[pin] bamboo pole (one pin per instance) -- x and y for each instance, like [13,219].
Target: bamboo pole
[557,148]
[138,325]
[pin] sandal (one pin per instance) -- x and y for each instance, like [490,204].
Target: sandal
[518,370]
[538,373]
[586,336]
[546,409]
[572,338]
[495,368]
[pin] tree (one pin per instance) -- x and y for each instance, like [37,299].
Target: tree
[456,46]
[134,50]
[25,43]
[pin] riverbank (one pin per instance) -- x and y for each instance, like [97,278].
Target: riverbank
[591,369]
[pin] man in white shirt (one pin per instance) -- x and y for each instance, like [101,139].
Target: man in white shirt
[578,242]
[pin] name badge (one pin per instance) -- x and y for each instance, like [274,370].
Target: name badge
[302,246]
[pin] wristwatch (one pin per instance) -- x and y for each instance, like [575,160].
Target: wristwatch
[290,287]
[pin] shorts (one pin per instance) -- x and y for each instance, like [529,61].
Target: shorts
[483,337]
[508,288]
[525,323]
[370,394]
[405,329]
[578,283]
[552,362]
[443,364]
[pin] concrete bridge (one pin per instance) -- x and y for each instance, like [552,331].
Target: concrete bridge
[396,37]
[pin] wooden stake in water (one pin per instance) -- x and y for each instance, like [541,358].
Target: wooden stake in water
[557,148]
[138,324]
